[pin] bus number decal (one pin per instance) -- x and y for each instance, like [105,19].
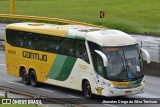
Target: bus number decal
[12,52]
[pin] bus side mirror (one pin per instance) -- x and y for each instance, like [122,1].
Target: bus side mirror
[146,55]
[104,57]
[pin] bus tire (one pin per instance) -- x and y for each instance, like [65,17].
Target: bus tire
[33,79]
[86,88]
[25,77]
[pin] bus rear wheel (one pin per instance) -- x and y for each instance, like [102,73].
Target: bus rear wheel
[87,90]
[33,79]
[25,77]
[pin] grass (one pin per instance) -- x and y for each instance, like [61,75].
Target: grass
[134,16]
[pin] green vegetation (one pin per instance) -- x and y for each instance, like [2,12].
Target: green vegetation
[134,16]
[1,97]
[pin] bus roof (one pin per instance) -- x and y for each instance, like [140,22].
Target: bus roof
[103,37]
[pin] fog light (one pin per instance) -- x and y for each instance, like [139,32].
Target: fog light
[111,85]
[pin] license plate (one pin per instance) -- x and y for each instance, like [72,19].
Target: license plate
[128,92]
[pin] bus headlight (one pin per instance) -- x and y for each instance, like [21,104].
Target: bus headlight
[142,82]
[110,85]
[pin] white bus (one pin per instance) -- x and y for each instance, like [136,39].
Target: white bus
[93,60]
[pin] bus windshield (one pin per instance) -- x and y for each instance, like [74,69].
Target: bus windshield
[124,63]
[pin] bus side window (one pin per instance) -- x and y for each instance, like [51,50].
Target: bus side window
[99,65]
[81,51]
[31,41]
[54,44]
[20,41]
[11,37]
[68,47]
[25,43]
[41,42]
[92,47]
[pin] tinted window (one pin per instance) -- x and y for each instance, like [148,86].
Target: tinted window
[99,65]
[25,40]
[41,42]
[54,44]
[81,51]
[68,47]
[92,47]
[31,40]
[20,39]
[10,37]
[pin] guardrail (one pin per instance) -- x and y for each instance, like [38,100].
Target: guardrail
[152,69]
[47,19]
[154,50]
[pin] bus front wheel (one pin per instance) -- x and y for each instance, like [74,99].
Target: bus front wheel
[33,79]
[25,77]
[87,90]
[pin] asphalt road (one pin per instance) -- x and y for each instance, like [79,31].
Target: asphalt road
[2,29]
[151,90]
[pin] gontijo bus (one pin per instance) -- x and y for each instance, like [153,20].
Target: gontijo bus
[93,60]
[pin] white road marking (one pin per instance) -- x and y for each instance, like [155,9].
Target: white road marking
[74,96]
[3,65]
[16,83]
[57,92]
[47,90]
[110,105]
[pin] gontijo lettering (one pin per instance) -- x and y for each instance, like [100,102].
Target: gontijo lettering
[36,56]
